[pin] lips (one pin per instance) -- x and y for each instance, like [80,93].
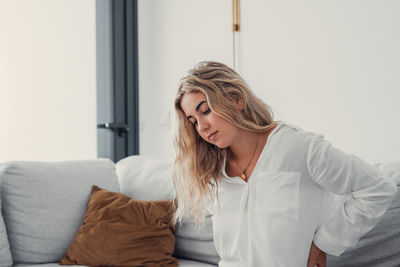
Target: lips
[212,135]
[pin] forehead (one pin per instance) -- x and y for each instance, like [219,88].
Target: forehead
[190,101]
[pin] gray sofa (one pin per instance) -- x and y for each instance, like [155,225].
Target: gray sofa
[43,205]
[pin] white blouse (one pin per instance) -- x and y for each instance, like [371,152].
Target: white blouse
[301,190]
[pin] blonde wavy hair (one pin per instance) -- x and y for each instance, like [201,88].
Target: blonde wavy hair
[197,165]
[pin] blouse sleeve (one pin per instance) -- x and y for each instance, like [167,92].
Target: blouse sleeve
[368,193]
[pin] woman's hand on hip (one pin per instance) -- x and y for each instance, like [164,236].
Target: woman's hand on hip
[316,257]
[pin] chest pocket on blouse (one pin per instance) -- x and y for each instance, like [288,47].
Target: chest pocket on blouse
[278,194]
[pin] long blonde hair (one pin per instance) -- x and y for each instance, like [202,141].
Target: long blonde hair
[197,166]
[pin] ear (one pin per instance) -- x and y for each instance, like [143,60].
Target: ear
[239,103]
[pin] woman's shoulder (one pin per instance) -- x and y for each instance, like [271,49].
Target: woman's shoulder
[286,130]
[293,130]
[285,125]
[293,137]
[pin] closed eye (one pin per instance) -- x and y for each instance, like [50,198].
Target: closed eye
[207,111]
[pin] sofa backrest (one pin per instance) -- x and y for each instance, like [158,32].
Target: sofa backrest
[43,204]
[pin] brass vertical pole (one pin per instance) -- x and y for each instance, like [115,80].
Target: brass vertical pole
[236,15]
[236,29]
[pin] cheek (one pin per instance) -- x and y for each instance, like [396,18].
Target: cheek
[217,120]
[224,124]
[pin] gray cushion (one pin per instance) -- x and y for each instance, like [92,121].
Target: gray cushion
[194,243]
[191,263]
[145,178]
[379,247]
[5,252]
[44,204]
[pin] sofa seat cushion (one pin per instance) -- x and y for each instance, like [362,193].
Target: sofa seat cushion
[44,203]
[182,263]
[42,265]
[192,263]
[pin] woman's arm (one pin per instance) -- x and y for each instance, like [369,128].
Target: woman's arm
[316,257]
[369,193]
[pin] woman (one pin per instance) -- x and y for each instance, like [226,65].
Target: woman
[269,185]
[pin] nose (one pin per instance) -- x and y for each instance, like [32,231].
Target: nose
[202,125]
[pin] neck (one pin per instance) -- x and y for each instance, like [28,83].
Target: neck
[243,149]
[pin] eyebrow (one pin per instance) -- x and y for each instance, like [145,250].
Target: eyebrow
[197,108]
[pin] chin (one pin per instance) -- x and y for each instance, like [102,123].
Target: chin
[222,146]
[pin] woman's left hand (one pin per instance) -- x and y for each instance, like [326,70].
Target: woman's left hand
[316,257]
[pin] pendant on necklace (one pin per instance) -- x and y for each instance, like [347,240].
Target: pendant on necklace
[243,175]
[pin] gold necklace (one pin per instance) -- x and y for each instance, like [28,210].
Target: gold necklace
[243,176]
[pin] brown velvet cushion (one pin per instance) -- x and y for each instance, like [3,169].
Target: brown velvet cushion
[120,231]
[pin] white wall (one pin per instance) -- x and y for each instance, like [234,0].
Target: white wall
[328,66]
[47,80]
